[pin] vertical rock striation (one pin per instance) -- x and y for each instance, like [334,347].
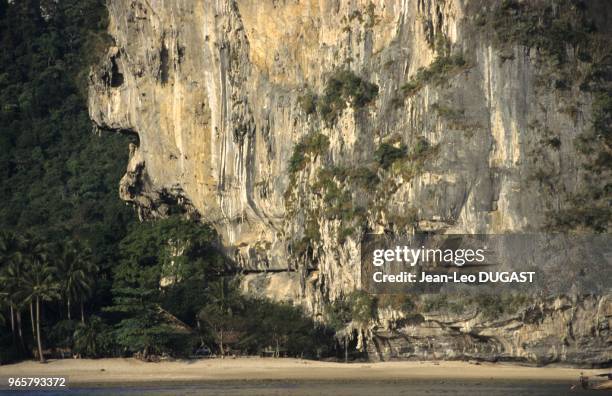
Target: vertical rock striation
[297,126]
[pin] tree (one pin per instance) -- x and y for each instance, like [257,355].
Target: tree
[33,250]
[159,262]
[92,339]
[363,307]
[353,311]
[76,272]
[144,330]
[219,312]
[3,302]
[283,327]
[175,259]
[338,316]
[169,251]
[57,179]
[12,274]
[40,285]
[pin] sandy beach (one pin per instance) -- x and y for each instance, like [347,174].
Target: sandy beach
[89,371]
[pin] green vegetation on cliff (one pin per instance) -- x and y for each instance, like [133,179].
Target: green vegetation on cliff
[437,73]
[549,29]
[575,56]
[308,148]
[342,87]
[386,154]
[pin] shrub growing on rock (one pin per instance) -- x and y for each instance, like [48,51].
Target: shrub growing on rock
[312,145]
[342,87]
[386,154]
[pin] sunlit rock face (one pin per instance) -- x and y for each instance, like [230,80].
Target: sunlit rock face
[217,93]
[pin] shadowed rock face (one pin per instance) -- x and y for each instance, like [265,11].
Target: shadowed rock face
[222,93]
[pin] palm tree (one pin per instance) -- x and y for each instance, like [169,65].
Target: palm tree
[11,278]
[6,252]
[40,285]
[91,270]
[77,274]
[33,250]
[87,341]
[5,298]
[3,304]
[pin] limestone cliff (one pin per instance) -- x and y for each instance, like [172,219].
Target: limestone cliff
[296,126]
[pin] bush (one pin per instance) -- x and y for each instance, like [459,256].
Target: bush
[412,164]
[553,142]
[436,73]
[602,117]
[339,202]
[441,303]
[311,236]
[420,147]
[386,154]
[363,306]
[308,102]
[311,146]
[94,339]
[495,306]
[344,233]
[398,302]
[61,334]
[447,112]
[284,328]
[585,213]
[148,334]
[341,87]
[358,307]
[402,221]
[490,306]
[365,177]
[535,25]
[338,314]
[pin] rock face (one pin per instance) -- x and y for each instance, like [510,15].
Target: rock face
[297,126]
[559,330]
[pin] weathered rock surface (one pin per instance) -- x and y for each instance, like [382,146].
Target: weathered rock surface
[217,93]
[559,330]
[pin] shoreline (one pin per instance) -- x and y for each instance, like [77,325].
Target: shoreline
[254,369]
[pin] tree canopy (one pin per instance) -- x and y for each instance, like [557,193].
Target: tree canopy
[78,272]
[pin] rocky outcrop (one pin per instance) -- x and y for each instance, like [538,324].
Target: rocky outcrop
[297,126]
[559,330]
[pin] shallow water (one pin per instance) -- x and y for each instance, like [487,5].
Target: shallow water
[336,388]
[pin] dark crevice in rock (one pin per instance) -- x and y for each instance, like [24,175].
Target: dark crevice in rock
[163,64]
[175,203]
[132,135]
[116,77]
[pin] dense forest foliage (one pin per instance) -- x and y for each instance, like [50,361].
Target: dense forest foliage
[78,273]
